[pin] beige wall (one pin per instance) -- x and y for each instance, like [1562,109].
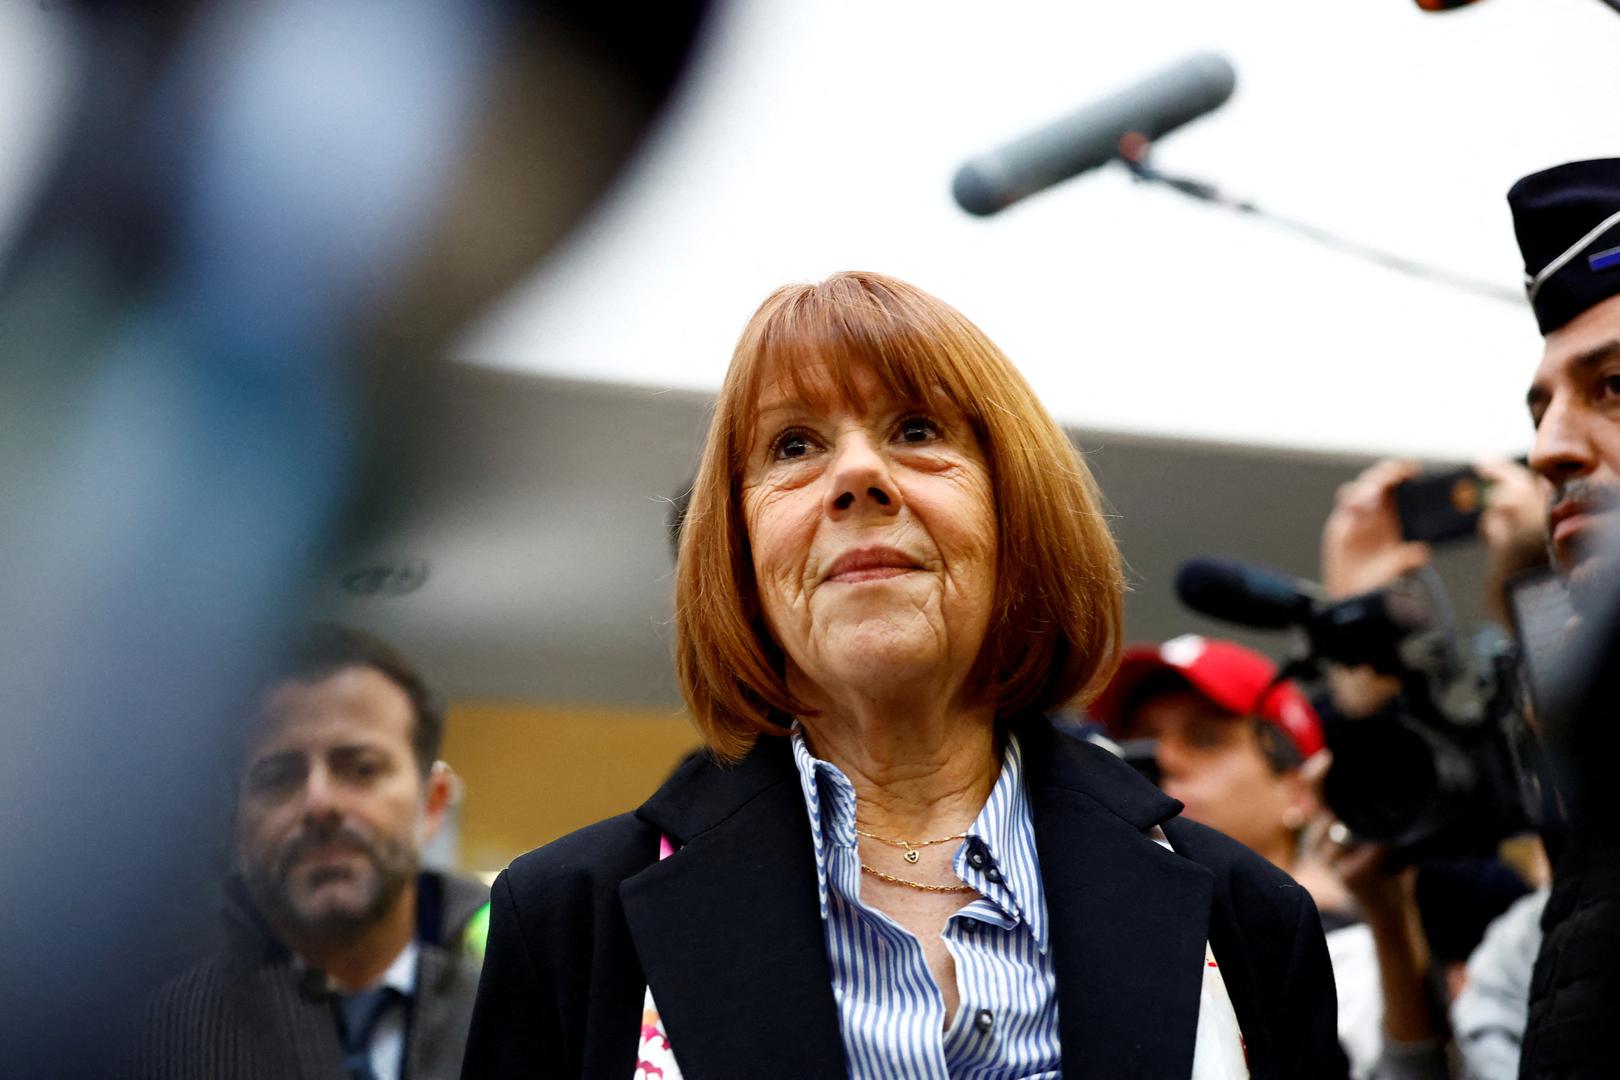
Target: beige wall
[532,774]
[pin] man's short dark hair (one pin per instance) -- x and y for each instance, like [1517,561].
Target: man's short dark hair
[324,649]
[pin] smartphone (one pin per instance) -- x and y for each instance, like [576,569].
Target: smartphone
[1439,507]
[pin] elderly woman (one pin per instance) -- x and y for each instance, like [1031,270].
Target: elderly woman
[889,863]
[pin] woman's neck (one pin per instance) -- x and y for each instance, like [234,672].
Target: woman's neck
[914,772]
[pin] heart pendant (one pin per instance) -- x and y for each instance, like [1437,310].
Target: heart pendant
[913,856]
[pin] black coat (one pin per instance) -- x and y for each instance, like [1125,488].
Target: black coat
[728,933]
[1575,989]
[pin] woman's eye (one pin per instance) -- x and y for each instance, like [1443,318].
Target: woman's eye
[918,429]
[791,445]
[1611,384]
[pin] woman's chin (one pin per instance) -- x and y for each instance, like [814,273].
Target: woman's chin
[878,660]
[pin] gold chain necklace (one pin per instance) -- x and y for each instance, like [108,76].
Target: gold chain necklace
[912,854]
[915,884]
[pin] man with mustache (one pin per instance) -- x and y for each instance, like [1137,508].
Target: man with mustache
[1574,398]
[1568,224]
[340,957]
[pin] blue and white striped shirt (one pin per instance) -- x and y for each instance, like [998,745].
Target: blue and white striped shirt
[890,1010]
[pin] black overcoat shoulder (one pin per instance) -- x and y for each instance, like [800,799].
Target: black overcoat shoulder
[727,933]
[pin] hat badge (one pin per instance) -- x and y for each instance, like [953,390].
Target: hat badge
[1604,260]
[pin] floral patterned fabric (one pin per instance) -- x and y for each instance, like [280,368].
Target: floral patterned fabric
[654,1059]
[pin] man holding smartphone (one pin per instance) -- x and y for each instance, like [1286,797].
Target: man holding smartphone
[1567,220]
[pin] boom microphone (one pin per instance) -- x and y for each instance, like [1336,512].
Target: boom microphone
[1372,628]
[1247,595]
[1153,107]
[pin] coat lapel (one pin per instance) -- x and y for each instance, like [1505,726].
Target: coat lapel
[440,1015]
[729,928]
[292,1030]
[446,979]
[1129,918]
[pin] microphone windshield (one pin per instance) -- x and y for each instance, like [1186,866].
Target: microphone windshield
[1247,595]
[1152,107]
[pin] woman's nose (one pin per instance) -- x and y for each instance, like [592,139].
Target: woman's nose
[861,479]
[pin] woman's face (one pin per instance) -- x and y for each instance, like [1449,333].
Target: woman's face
[874,538]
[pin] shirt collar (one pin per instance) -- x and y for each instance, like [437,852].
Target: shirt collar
[401,974]
[830,799]
[1004,831]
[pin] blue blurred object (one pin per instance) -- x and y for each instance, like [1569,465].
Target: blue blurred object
[198,364]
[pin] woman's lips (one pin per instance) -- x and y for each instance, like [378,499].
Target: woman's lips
[869,564]
[876,573]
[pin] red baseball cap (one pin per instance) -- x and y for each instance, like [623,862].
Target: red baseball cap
[1239,680]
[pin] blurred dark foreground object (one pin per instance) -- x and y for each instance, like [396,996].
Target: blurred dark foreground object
[1576,987]
[220,323]
[1453,5]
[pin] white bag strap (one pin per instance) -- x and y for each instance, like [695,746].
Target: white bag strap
[1218,1051]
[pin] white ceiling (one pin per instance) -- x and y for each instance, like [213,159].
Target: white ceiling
[817,137]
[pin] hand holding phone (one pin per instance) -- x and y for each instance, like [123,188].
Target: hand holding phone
[1442,506]
[1362,547]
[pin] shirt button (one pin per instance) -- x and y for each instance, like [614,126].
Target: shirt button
[969,924]
[984,1020]
[976,859]
[993,874]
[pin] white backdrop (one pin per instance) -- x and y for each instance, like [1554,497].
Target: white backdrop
[819,136]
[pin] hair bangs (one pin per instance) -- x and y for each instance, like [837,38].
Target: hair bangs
[809,343]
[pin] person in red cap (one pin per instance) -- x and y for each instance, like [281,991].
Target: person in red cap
[1229,740]
[1244,753]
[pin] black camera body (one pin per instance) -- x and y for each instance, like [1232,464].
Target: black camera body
[1450,767]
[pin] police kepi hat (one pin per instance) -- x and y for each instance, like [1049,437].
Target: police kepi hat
[1568,222]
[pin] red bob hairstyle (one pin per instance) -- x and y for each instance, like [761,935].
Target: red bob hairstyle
[1055,622]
